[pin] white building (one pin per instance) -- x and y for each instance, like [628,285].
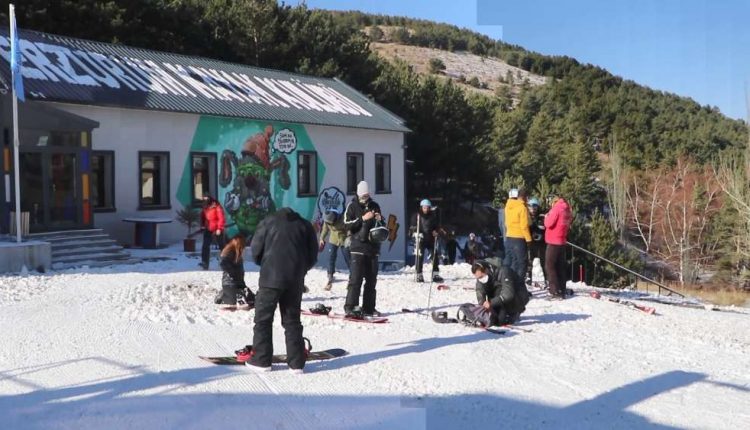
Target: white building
[110,132]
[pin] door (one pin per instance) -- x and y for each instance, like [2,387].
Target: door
[64,202]
[50,189]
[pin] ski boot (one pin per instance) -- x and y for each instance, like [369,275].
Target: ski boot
[373,313]
[436,277]
[420,278]
[355,313]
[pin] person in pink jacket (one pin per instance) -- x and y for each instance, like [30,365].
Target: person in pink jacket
[556,227]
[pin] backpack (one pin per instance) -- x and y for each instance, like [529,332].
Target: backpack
[475,315]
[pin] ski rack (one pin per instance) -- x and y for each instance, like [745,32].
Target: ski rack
[621,267]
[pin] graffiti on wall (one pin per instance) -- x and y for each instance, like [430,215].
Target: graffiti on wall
[255,175]
[248,179]
[329,198]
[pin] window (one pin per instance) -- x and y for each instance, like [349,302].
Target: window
[354,171]
[203,172]
[154,177]
[307,178]
[382,173]
[103,181]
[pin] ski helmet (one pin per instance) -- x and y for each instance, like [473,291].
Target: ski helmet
[533,201]
[331,216]
[425,202]
[513,193]
[379,233]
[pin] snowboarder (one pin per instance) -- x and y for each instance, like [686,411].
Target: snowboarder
[285,247]
[212,222]
[473,249]
[428,236]
[334,231]
[362,215]
[557,224]
[234,291]
[500,291]
[518,234]
[536,225]
[451,246]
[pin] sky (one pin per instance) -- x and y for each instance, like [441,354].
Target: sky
[694,48]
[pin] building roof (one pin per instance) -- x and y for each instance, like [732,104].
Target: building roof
[65,69]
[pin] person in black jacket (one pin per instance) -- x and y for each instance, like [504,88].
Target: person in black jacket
[427,237]
[359,218]
[285,247]
[233,287]
[500,291]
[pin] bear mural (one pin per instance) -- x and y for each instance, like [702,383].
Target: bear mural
[249,199]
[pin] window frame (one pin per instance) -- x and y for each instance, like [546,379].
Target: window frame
[389,189]
[166,187]
[314,173]
[111,154]
[213,188]
[353,190]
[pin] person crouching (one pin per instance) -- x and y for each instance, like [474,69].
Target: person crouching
[234,291]
[499,291]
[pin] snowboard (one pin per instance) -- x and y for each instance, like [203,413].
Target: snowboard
[280,358]
[230,308]
[647,309]
[363,319]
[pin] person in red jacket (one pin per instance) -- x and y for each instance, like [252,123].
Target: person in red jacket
[556,227]
[212,222]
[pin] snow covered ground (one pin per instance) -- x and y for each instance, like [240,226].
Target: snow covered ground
[117,348]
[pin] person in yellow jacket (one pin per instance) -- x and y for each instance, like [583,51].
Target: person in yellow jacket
[335,231]
[517,232]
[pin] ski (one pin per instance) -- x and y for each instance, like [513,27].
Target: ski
[647,309]
[279,358]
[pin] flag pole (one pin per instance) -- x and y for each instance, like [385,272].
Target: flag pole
[16,169]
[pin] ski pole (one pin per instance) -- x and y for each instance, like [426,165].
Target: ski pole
[432,276]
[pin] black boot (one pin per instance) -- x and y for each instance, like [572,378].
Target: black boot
[420,278]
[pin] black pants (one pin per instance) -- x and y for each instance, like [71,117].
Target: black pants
[515,256]
[500,316]
[423,246]
[208,239]
[362,267]
[554,265]
[289,301]
[451,248]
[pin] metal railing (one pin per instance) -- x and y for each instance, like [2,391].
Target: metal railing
[621,267]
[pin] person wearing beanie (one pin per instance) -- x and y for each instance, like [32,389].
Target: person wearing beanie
[360,217]
[426,236]
[556,227]
[517,232]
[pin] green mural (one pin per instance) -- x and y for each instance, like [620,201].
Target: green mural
[256,168]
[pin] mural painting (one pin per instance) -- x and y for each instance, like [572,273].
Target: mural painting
[254,168]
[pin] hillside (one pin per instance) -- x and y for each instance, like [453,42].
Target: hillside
[491,73]
[117,349]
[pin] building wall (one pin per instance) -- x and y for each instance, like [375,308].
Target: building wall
[127,132]
[334,143]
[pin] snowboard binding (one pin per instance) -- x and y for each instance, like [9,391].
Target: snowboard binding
[321,309]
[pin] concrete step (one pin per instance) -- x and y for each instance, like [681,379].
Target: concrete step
[90,257]
[85,250]
[65,233]
[93,243]
[69,239]
[94,263]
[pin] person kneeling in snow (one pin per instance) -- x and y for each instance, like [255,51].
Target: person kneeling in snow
[233,288]
[500,291]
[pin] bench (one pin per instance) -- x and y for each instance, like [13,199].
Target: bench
[146,233]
